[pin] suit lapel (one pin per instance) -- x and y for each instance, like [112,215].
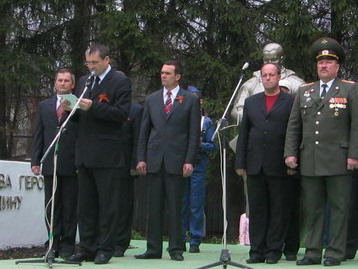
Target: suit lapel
[103,85]
[52,109]
[176,103]
[277,104]
[262,103]
[159,104]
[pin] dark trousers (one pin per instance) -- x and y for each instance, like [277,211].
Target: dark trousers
[126,218]
[99,208]
[169,189]
[65,212]
[352,238]
[292,240]
[268,214]
[316,192]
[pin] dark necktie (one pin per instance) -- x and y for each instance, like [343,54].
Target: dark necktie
[96,82]
[168,103]
[60,111]
[324,86]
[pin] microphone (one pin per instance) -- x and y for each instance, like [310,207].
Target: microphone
[246,65]
[90,78]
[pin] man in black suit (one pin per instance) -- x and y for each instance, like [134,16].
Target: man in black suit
[100,155]
[130,133]
[50,118]
[259,154]
[168,143]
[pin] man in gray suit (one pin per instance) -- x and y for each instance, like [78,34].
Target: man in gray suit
[167,146]
[323,132]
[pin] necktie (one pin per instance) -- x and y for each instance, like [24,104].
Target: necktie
[168,103]
[60,111]
[324,86]
[96,82]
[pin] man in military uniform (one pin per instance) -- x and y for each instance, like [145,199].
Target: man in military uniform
[323,132]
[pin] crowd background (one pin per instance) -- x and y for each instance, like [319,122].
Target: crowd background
[213,38]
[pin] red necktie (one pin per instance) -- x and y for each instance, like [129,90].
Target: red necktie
[168,103]
[60,112]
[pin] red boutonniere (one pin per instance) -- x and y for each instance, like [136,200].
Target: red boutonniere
[103,97]
[180,99]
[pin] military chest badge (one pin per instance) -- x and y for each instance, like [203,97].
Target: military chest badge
[307,94]
[337,103]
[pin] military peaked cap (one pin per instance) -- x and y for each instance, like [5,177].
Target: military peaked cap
[327,48]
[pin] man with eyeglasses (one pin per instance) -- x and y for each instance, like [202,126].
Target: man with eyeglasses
[100,155]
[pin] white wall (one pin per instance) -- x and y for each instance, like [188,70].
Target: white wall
[21,206]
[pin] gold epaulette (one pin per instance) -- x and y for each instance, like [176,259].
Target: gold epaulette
[307,84]
[348,81]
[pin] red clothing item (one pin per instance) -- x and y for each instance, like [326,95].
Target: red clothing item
[270,101]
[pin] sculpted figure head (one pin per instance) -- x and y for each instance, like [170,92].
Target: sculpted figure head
[273,53]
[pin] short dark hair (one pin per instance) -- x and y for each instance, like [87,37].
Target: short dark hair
[178,66]
[278,67]
[66,70]
[102,50]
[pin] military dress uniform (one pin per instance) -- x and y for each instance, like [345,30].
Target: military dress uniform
[323,132]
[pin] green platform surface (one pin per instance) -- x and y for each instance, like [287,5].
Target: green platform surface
[210,253]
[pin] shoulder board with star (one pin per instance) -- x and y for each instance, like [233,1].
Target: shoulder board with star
[307,84]
[348,81]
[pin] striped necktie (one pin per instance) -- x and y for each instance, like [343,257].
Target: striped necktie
[60,111]
[168,103]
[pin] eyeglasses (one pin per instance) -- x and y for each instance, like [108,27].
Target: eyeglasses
[87,63]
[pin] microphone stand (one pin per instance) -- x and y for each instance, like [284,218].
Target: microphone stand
[49,257]
[225,258]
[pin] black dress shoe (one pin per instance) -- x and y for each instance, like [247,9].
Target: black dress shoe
[118,252]
[194,249]
[331,262]
[271,261]
[307,261]
[80,257]
[255,259]
[291,257]
[65,255]
[177,257]
[350,255]
[102,258]
[147,256]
